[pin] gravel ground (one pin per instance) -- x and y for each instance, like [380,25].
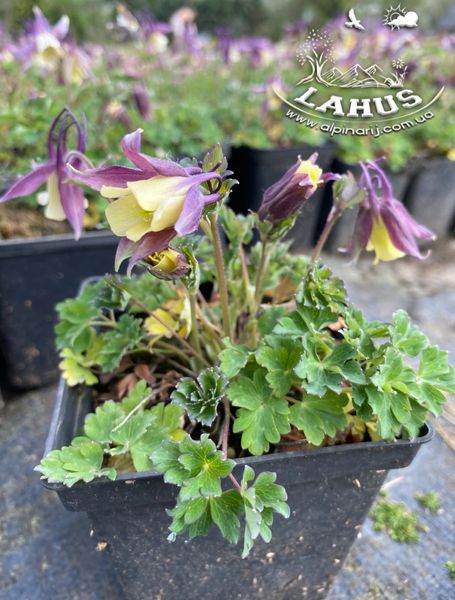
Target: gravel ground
[46,552]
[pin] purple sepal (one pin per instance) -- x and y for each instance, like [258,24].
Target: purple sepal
[150,243]
[31,182]
[131,145]
[114,176]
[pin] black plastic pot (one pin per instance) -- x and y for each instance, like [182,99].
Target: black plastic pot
[431,195]
[258,169]
[35,274]
[330,493]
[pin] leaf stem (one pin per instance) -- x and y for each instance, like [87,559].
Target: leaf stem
[219,262]
[174,334]
[132,412]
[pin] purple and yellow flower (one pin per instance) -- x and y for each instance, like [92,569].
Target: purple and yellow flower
[63,200]
[167,264]
[287,196]
[383,225]
[151,203]
[45,39]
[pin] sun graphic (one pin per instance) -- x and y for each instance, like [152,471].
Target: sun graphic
[393,13]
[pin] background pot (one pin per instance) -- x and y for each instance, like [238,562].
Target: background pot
[258,169]
[330,493]
[431,195]
[35,274]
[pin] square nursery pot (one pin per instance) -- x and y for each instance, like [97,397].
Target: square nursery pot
[257,169]
[431,195]
[330,494]
[35,274]
[343,231]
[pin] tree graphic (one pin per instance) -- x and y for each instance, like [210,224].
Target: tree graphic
[315,51]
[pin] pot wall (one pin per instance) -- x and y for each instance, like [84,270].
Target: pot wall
[431,197]
[330,493]
[34,276]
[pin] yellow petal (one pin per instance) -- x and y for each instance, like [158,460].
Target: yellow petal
[127,218]
[54,208]
[165,261]
[151,193]
[381,243]
[109,191]
[154,327]
[167,213]
[313,171]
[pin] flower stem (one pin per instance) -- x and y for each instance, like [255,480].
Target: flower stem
[194,335]
[261,273]
[333,217]
[246,279]
[222,285]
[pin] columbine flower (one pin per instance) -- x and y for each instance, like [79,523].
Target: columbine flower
[168,264]
[63,200]
[286,197]
[383,223]
[46,39]
[152,203]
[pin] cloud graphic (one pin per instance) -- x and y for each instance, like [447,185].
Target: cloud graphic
[408,20]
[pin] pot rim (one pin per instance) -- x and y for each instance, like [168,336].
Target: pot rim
[426,434]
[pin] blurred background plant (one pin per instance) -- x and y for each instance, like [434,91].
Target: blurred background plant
[195,75]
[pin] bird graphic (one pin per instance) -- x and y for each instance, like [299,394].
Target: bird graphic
[354,22]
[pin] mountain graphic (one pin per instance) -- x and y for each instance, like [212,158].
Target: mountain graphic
[359,77]
[332,74]
[374,69]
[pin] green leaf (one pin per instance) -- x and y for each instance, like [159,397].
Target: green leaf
[82,461]
[262,418]
[321,290]
[196,516]
[269,319]
[205,465]
[224,511]
[261,499]
[233,358]
[129,432]
[303,320]
[119,341]
[381,403]
[75,369]
[200,397]
[407,337]
[98,425]
[318,417]
[279,356]
[435,369]
[394,374]
[197,466]
[166,426]
[320,372]
[165,459]
[435,377]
